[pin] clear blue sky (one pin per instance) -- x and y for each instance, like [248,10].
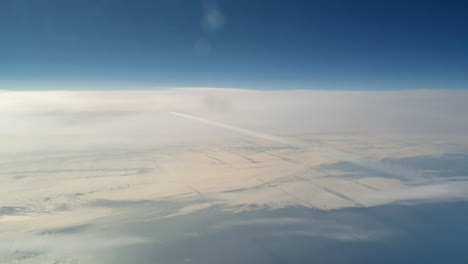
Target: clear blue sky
[329,44]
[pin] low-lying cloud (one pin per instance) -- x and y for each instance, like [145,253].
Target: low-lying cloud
[68,243]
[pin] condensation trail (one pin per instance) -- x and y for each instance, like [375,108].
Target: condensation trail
[238,129]
[383,167]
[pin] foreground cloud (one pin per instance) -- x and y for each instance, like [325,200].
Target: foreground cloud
[445,191]
[70,243]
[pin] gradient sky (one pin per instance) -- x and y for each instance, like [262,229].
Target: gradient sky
[324,44]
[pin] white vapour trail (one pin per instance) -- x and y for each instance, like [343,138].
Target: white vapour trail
[392,169]
[237,129]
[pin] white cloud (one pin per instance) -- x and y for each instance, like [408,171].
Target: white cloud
[262,221]
[338,229]
[250,168]
[428,192]
[61,243]
[95,120]
[350,234]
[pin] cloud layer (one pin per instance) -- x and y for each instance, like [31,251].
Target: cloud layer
[78,160]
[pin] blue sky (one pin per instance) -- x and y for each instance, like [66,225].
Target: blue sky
[325,44]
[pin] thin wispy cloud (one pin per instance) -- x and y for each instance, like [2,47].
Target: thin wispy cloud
[318,226]
[262,221]
[63,243]
[445,191]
